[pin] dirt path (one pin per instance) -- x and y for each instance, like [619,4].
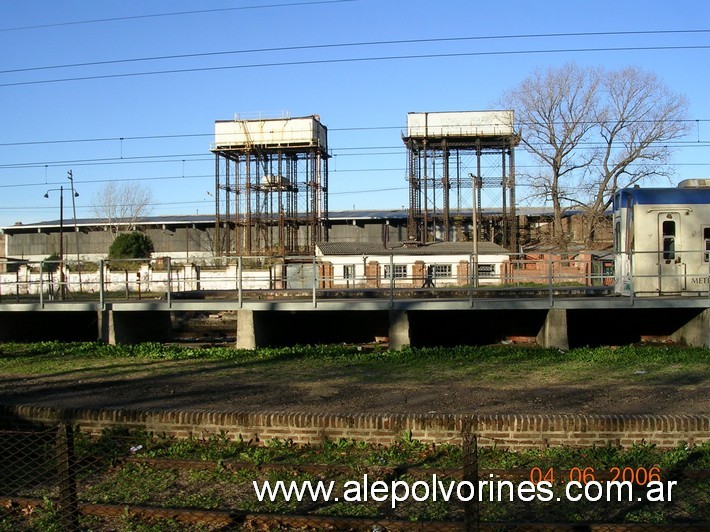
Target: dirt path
[221,385]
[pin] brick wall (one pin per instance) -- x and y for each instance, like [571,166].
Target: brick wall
[418,274]
[462,274]
[504,431]
[372,274]
[326,274]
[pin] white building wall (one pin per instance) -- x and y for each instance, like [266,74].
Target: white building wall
[491,262]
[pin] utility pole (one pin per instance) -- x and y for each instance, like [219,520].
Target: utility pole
[62,288]
[70,176]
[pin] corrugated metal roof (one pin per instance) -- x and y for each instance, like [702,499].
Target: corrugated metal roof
[334,216]
[98,222]
[398,248]
[368,214]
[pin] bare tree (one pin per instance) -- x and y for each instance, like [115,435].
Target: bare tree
[638,117]
[594,132]
[120,206]
[555,111]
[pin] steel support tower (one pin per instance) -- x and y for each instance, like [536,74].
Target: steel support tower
[271,186]
[450,153]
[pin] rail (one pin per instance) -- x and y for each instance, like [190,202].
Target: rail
[391,277]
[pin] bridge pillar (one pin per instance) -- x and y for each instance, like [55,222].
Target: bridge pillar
[695,333]
[554,331]
[399,329]
[134,327]
[250,330]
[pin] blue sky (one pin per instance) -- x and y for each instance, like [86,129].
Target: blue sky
[166,120]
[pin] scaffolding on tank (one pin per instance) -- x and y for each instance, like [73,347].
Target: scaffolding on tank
[271,186]
[450,153]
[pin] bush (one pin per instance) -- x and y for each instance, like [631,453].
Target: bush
[133,245]
[51,263]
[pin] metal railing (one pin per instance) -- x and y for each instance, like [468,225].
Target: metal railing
[392,277]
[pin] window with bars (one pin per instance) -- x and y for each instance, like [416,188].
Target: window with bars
[400,271]
[486,270]
[442,271]
[349,272]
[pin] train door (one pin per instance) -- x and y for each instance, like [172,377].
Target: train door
[671,268]
[624,249]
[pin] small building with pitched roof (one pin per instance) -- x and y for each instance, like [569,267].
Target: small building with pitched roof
[437,264]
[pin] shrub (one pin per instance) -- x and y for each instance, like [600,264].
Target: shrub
[51,263]
[133,245]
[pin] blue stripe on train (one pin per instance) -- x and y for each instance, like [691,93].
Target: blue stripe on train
[661,196]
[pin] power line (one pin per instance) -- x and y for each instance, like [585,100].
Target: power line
[172,14]
[118,179]
[209,201]
[144,159]
[355,44]
[334,172]
[357,60]
[330,129]
[200,157]
[106,139]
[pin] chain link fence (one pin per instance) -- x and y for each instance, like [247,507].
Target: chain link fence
[60,478]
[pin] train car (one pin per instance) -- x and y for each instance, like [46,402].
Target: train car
[662,240]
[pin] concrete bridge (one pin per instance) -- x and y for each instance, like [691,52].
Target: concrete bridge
[559,321]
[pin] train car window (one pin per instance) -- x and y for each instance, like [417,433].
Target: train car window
[669,240]
[706,237]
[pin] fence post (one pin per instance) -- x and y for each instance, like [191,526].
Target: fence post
[391,280]
[315,282]
[551,280]
[240,281]
[102,295]
[470,280]
[66,470]
[41,284]
[469,450]
[170,272]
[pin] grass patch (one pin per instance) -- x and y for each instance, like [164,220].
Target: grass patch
[106,476]
[488,364]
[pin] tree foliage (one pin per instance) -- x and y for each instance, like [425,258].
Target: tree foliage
[594,132]
[133,245]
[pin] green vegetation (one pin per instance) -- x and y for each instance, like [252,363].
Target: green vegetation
[215,472]
[493,364]
[51,263]
[133,245]
[128,467]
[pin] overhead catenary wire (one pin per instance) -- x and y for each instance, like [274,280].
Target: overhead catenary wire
[202,157]
[172,14]
[352,45]
[403,57]
[126,138]
[344,151]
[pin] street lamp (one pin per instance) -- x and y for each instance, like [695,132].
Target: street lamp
[61,236]
[70,177]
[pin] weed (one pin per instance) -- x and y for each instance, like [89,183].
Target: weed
[131,484]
